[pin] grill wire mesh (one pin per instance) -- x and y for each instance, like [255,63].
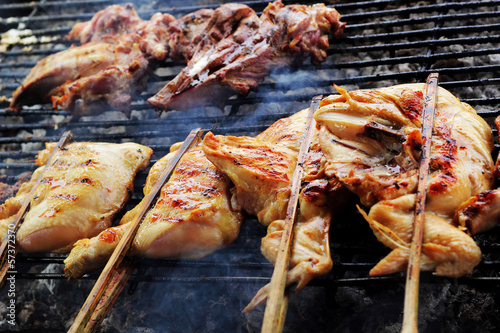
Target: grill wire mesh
[385,43]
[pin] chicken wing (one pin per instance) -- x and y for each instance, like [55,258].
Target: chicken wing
[192,218]
[80,193]
[372,141]
[261,169]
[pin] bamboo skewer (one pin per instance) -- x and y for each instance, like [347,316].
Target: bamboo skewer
[410,318]
[274,315]
[7,249]
[101,286]
[118,280]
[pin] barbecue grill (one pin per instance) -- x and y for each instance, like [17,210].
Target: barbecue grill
[385,43]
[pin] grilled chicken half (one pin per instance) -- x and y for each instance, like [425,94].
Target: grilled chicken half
[372,141]
[261,169]
[192,218]
[80,193]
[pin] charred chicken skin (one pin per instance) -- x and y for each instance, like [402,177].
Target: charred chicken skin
[80,193]
[372,141]
[261,169]
[191,218]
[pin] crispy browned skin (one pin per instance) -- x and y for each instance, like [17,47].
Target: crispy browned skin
[192,218]
[239,50]
[261,169]
[372,141]
[80,193]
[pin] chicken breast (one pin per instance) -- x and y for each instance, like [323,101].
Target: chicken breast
[191,218]
[372,141]
[80,193]
[261,169]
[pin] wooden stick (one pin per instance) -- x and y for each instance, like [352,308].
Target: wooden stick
[410,319]
[8,248]
[120,251]
[274,315]
[118,280]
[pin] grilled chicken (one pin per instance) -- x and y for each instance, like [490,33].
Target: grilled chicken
[112,21]
[372,141]
[239,50]
[261,169]
[191,219]
[80,193]
[55,70]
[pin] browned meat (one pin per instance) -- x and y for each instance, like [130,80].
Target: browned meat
[185,33]
[229,50]
[155,36]
[229,28]
[55,70]
[239,50]
[115,21]
[112,21]
[481,212]
[112,86]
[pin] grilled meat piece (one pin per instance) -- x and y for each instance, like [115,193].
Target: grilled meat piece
[191,219]
[52,72]
[81,77]
[112,85]
[115,21]
[229,27]
[185,33]
[112,21]
[372,141]
[229,50]
[239,50]
[261,169]
[80,193]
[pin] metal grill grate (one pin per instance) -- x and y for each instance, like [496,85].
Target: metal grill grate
[385,43]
